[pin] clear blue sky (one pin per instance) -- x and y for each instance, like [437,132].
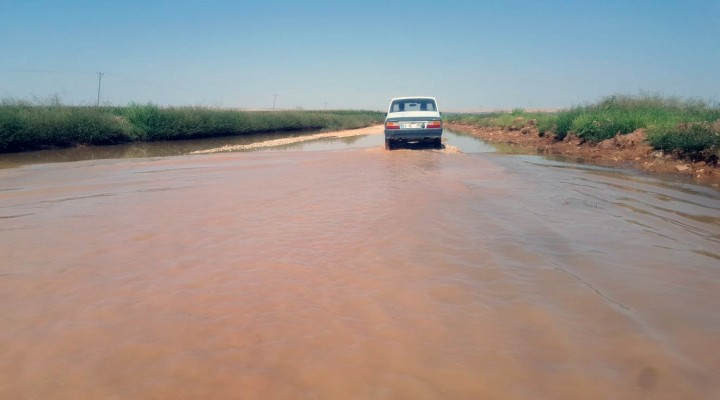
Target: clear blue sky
[359,54]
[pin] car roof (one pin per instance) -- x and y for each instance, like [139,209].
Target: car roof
[413,98]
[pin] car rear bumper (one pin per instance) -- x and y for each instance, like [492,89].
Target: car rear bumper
[413,134]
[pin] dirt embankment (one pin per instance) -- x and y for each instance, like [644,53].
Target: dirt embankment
[629,150]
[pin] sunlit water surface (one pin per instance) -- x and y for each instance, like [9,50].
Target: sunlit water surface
[356,273]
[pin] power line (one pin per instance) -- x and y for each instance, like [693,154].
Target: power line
[149,83]
[100,75]
[43,71]
[51,71]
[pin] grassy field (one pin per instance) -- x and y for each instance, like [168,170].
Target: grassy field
[26,126]
[687,128]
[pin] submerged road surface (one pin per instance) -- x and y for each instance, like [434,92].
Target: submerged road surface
[356,274]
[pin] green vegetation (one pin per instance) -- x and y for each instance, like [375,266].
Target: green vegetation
[26,126]
[685,127]
[516,120]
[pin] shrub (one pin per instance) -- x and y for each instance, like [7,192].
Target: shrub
[694,139]
[564,122]
[27,127]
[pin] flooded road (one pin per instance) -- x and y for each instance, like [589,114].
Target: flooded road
[304,141]
[356,273]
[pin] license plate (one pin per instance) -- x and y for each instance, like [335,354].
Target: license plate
[412,125]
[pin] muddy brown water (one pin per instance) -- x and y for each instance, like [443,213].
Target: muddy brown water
[356,273]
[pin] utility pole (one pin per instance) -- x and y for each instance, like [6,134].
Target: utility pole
[100,75]
[275,96]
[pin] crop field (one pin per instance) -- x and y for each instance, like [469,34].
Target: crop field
[27,126]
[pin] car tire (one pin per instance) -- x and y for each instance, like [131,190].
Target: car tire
[438,143]
[388,144]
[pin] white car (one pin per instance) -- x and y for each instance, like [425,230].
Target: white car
[413,120]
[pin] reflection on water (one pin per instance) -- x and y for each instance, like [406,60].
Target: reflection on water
[467,143]
[135,150]
[331,143]
[357,273]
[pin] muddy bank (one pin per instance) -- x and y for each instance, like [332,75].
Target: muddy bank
[622,151]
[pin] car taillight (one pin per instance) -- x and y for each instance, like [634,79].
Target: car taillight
[392,125]
[434,125]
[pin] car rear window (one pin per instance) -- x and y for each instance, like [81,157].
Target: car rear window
[413,105]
